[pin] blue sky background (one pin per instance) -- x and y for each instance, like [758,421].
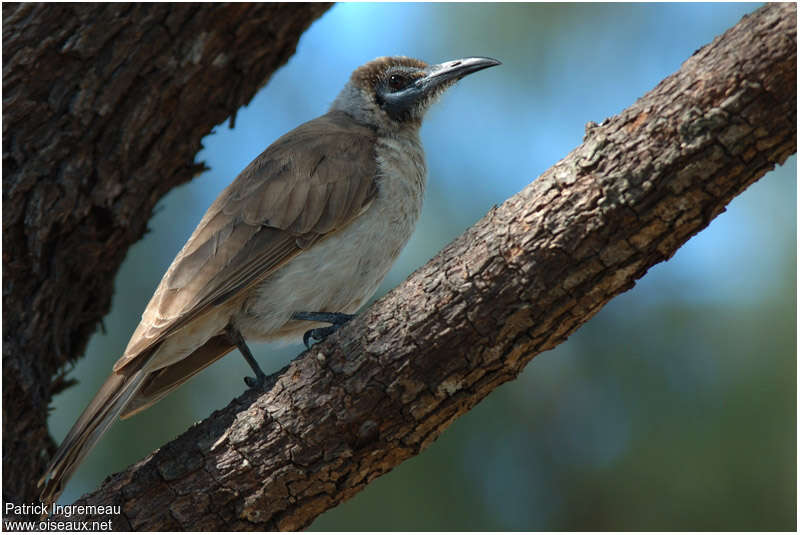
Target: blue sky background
[674,408]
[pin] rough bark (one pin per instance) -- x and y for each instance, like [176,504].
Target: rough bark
[515,284]
[104,109]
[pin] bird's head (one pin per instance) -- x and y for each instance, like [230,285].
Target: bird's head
[391,93]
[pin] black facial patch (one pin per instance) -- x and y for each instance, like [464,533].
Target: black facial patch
[397,92]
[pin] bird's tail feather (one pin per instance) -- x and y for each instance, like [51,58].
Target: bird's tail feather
[123,394]
[163,381]
[108,403]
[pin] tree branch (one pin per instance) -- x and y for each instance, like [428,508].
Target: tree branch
[515,284]
[104,109]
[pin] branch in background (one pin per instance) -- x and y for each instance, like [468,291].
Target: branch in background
[515,284]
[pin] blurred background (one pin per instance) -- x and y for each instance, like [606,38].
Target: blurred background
[672,409]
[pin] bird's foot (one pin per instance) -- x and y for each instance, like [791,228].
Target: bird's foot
[336,319]
[260,380]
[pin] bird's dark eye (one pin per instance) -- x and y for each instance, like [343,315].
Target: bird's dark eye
[397,82]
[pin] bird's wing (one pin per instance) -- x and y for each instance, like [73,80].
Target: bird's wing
[309,183]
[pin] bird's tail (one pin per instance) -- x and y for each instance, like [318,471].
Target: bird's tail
[110,401]
[130,390]
[164,380]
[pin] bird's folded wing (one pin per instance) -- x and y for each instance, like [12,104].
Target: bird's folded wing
[311,182]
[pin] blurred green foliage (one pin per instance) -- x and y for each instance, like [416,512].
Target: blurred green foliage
[672,409]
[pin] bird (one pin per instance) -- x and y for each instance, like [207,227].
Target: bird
[292,248]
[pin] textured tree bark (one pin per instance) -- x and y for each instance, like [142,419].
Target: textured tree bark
[104,109]
[515,284]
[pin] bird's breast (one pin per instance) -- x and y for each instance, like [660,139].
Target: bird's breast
[342,271]
[401,186]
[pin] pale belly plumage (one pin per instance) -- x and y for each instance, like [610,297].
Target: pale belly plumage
[341,272]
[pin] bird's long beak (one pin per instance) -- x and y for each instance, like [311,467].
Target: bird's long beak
[451,71]
[435,79]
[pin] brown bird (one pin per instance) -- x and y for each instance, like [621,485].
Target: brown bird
[301,239]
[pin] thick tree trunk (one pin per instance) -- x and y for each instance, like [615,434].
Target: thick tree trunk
[515,284]
[104,109]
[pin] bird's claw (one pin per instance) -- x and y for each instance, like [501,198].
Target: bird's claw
[336,319]
[256,383]
[318,335]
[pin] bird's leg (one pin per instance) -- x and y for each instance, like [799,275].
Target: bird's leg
[336,319]
[261,378]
